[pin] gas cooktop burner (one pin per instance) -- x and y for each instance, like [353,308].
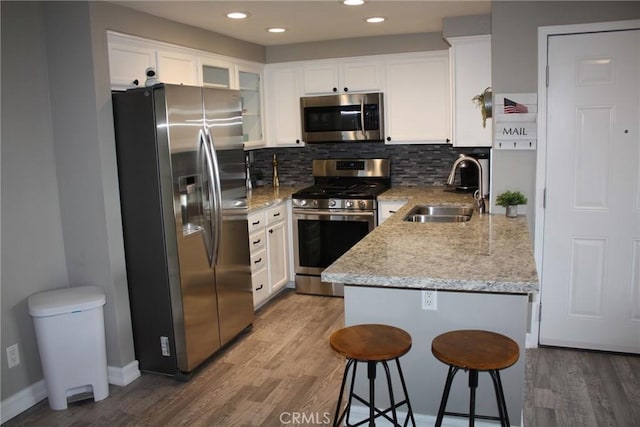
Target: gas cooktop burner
[354,190]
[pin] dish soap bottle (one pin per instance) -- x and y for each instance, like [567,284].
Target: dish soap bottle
[276,180]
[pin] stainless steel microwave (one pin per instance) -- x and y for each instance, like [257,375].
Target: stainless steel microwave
[353,117]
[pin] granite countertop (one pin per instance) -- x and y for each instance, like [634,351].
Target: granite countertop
[489,253]
[262,197]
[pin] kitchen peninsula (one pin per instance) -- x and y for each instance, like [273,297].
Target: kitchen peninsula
[482,270]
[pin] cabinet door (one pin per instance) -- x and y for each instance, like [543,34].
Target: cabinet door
[417,99]
[278,255]
[386,209]
[260,283]
[250,86]
[283,107]
[321,78]
[216,73]
[177,68]
[470,76]
[128,63]
[362,76]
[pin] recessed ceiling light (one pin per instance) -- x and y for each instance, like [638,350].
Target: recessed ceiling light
[237,15]
[353,2]
[276,30]
[375,19]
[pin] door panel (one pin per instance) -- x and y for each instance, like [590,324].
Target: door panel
[590,277]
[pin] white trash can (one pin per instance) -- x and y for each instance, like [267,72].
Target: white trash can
[69,327]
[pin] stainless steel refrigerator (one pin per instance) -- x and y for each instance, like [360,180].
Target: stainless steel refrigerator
[184,210]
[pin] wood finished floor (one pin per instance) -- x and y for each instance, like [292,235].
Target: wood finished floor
[284,365]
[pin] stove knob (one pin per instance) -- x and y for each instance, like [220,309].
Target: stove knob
[362,204]
[303,202]
[315,203]
[349,204]
[332,203]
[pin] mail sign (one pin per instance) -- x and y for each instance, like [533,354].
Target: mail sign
[515,130]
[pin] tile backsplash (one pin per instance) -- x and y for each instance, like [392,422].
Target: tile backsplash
[411,165]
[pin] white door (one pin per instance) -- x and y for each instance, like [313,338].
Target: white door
[591,254]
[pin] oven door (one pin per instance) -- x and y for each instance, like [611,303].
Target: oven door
[323,236]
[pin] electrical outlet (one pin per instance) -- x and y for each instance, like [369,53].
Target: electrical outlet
[429,300]
[13,355]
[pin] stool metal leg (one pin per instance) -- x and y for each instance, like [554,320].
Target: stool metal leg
[406,396]
[391,399]
[473,385]
[445,394]
[337,419]
[502,405]
[371,374]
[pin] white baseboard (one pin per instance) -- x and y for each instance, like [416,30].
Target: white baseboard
[22,400]
[123,376]
[30,396]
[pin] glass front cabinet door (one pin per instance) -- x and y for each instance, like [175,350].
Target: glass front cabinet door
[250,85]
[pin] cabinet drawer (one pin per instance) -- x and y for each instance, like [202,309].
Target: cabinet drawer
[256,221]
[256,241]
[258,260]
[277,214]
[259,280]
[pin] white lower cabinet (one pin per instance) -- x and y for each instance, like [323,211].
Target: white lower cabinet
[386,209]
[268,241]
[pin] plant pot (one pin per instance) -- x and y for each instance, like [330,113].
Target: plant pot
[512,211]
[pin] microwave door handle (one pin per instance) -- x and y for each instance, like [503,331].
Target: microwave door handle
[364,134]
[208,240]
[218,200]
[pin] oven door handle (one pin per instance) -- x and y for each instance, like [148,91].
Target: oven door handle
[320,212]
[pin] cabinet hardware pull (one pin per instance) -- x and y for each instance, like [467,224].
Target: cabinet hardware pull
[255,223]
[135,82]
[276,214]
[388,138]
[258,261]
[297,141]
[335,89]
[346,89]
[259,287]
[393,211]
[271,231]
[257,241]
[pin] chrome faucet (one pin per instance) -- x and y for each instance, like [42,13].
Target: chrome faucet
[479,193]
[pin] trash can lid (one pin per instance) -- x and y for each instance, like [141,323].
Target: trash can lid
[66,300]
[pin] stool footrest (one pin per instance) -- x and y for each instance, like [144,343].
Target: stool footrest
[378,412]
[460,414]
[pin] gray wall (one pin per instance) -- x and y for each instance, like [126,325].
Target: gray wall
[515,68]
[33,257]
[60,201]
[356,47]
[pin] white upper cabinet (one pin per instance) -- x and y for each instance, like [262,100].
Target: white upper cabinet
[337,76]
[470,76]
[177,68]
[283,105]
[216,72]
[417,107]
[128,62]
[251,91]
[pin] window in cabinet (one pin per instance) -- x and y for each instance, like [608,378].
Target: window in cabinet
[249,85]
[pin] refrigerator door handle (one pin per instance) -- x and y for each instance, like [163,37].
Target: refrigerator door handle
[209,241]
[217,188]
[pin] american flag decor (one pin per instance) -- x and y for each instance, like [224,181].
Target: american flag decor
[511,107]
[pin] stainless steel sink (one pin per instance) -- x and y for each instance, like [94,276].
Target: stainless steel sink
[437,213]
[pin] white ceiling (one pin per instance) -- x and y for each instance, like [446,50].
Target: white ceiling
[311,20]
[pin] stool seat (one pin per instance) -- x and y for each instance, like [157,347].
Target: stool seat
[475,349]
[370,342]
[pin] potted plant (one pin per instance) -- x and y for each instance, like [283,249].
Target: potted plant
[484,101]
[510,200]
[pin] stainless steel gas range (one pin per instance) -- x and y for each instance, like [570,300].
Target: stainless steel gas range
[333,215]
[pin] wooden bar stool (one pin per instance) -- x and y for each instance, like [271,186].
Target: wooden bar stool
[475,351]
[371,344]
